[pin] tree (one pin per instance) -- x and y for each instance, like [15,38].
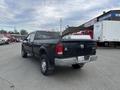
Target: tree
[16,32]
[23,32]
[3,31]
[10,32]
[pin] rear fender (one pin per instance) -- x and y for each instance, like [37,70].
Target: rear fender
[42,51]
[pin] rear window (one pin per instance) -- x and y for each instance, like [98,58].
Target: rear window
[47,35]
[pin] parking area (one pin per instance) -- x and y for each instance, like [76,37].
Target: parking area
[25,74]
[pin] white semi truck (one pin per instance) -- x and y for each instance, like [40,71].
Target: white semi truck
[107,32]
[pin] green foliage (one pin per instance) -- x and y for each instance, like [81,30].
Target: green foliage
[23,32]
[3,31]
[16,32]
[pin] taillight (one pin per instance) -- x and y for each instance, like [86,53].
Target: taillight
[59,49]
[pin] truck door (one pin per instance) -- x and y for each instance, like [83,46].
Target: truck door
[37,43]
[29,42]
[26,42]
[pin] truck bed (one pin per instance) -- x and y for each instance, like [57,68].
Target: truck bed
[74,48]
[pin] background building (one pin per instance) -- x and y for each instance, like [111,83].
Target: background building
[113,15]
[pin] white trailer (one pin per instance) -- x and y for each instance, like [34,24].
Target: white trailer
[107,31]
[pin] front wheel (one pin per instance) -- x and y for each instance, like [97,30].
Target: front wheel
[46,68]
[77,66]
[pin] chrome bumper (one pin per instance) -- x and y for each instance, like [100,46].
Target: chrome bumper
[74,60]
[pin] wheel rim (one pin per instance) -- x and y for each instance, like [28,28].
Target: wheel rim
[43,65]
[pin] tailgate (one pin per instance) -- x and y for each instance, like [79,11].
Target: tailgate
[74,48]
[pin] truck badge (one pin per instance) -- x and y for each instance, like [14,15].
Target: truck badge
[82,46]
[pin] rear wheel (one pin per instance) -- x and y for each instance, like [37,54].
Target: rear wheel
[77,66]
[46,68]
[23,53]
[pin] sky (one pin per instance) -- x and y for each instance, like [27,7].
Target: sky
[46,14]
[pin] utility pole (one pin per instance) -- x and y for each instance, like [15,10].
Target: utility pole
[14,28]
[60,26]
[44,3]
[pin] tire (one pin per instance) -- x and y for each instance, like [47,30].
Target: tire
[77,66]
[46,68]
[6,43]
[23,53]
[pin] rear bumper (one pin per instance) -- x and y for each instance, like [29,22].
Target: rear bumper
[74,60]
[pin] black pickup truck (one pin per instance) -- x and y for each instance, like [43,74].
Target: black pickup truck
[49,47]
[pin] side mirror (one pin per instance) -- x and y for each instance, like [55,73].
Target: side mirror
[25,39]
